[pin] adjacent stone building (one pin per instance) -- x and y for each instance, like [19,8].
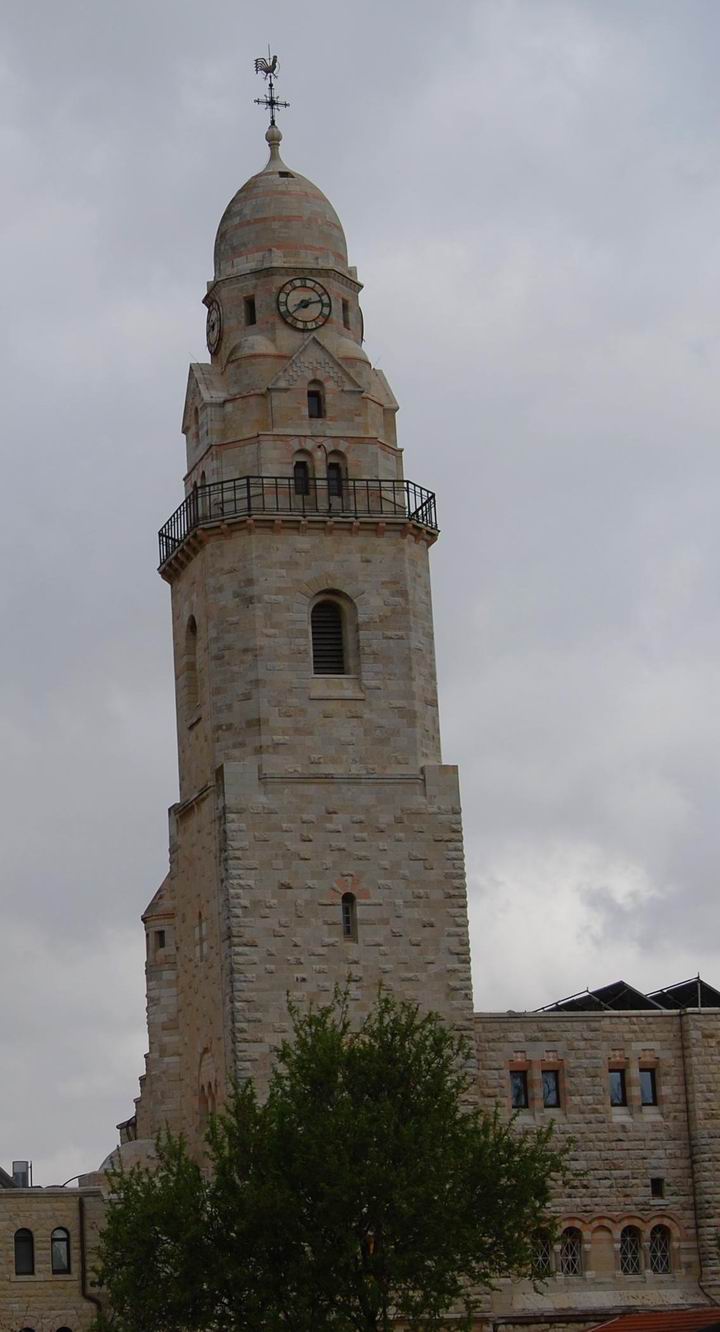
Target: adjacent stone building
[317,837]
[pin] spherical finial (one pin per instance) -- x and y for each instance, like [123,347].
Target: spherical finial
[274,138]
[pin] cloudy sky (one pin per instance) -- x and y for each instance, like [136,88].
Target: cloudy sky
[531,192]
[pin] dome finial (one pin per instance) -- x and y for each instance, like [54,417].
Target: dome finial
[269,69]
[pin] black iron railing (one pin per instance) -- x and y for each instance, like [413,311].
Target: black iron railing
[246,495]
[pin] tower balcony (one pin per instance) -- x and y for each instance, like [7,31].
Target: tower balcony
[349,500]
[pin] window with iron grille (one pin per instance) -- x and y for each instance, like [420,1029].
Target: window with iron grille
[542,1259]
[571,1252]
[349,916]
[328,643]
[519,1089]
[630,1251]
[648,1086]
[660,1250]
[618,1088]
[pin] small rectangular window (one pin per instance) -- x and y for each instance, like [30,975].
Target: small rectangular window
[551,1088]
[250,312]
[657,1187]
[618,1089]
[648,1086]
[159,941]
[346,313]
[519,1089]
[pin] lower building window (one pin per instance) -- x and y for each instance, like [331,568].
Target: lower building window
[60,1251]
[660,1250]
[630,1252]
[542,1260]
[24,1253]
[571,1252]
[519,1089]
[551,1087]
[618,1089]
[648,1086]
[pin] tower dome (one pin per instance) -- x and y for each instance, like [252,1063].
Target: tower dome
[278,210]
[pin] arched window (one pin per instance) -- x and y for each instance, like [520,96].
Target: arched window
[203,1107]
[328,638]
[543,1256]
[335,480]
[571,1252]
[191,670]
[60,1250]
[315,399]
[349,916]
[630,1251]
[301,478]
[64,1329]
[660,1250]
[24,1253]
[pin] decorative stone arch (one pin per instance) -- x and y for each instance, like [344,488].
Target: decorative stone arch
[603,1247]
[573,1223]
[675,1236]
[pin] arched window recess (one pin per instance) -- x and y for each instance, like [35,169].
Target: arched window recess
[60,1251]
[24,1253]
[348,906]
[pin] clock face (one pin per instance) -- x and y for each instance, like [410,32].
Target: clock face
[213,326]
[304,303]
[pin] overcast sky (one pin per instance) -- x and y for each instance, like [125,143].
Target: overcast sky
[531,192]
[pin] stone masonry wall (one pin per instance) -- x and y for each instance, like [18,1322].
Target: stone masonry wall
[291,849]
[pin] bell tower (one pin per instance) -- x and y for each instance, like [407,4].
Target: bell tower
[317,838]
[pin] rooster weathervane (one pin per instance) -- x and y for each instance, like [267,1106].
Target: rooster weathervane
[269,70]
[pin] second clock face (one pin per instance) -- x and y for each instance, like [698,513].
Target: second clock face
[213,326]
[304,303]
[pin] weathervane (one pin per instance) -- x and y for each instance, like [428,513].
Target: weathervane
[269,68]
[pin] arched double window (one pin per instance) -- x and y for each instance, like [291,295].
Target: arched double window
[630,1251]
[24,1253]
[60,1251]
[571,1263]
[660,1250]
[349,916]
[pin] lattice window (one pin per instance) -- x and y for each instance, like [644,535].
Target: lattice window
[571,1252]
[543,1257]
[660,1250]
[630,1252]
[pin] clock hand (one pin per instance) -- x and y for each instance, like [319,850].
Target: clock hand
[303,305]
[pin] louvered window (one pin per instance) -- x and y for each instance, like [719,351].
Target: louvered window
[327,639]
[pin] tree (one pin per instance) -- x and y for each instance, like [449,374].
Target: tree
[365,1189]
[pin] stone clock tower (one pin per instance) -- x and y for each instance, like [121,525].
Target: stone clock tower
[317,838]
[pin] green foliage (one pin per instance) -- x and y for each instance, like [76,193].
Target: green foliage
[365,1189]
